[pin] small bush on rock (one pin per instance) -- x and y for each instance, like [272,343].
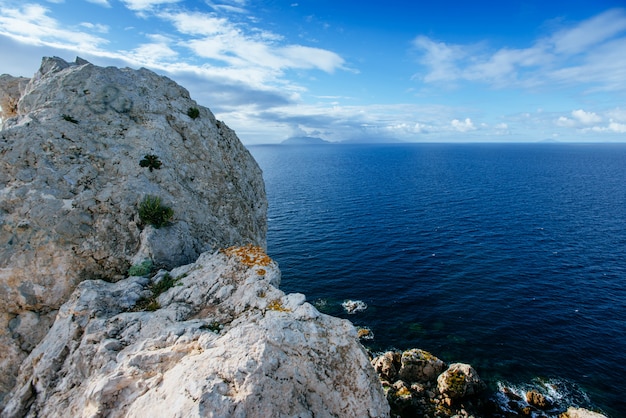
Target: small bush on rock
[193,112]
[151,161]
[151,303]
[153,212]
[142,269]
[69,118]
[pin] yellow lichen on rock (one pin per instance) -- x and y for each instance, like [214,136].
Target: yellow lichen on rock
[277,305]
[249,255]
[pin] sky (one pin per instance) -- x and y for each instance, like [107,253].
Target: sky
[416,71]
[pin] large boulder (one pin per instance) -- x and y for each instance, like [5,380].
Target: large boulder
[81,146]
[420,366]
[216,338]
[459,381]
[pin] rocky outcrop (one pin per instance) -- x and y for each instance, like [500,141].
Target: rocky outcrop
[11,88]
[218,338]
[80,148]
[418,384]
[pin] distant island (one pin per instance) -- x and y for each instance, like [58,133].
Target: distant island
[304,140]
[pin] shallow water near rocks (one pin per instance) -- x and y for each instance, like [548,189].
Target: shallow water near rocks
[510,257]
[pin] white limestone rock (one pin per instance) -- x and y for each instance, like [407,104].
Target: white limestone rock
[71,143]
[225,342]
[580,413]
[11,89]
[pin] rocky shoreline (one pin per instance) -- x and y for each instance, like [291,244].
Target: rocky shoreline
[418,384]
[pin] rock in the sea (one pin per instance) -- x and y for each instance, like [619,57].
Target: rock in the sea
[459,381]
[538,400]
[215,338]
[81,146]
[419,366]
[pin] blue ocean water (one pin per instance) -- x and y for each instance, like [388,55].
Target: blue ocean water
[511,257]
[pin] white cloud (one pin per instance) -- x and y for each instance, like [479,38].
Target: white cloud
[234,6]
[221,40]
[143,5]
[441,58]
[304,57]
[199,23]
[589,33]
[104,3]
[612,127]
[463,126]
[592,52]
[617,127]
[617,114]
[31,24]
[565,122]
[154,53]
[95,27]
[586,118]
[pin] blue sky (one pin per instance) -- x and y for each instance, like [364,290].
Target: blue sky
[343,69]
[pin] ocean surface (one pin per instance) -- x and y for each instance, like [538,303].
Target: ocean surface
[510,257]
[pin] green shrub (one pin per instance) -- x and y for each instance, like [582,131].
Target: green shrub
[151,161]
[153,212]
[193,112]
[151,303]
[142,269]
[69,118]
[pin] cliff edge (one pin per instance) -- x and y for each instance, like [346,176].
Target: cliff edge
[215,338]
[81,148]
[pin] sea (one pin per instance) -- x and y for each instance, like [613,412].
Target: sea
[509,257]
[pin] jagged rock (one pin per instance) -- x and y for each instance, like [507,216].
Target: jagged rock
[419,366]
[223,341]
[71,143]
[459,381]
[538,400]
[387,365]
[11,89]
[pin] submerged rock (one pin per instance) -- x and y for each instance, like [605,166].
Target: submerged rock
[222,341]
[538,400]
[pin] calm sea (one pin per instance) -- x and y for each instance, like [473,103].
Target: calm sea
[510,257]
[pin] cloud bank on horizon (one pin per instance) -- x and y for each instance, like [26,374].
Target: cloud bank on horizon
[349,70]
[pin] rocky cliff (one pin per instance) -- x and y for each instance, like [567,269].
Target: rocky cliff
[102,169]
[215,338]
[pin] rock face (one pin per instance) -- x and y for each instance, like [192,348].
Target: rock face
[223,341]
[72,176]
